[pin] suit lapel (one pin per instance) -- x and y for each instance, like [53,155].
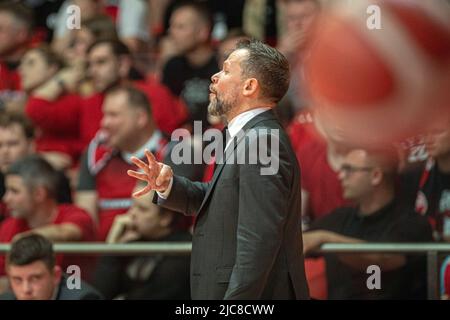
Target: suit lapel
[267,115]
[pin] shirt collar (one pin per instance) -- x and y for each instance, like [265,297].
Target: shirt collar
[152,144]
[238,122]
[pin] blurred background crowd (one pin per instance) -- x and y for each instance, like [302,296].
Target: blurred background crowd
[86,84]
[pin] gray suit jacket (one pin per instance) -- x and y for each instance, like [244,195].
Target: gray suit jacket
[247,240]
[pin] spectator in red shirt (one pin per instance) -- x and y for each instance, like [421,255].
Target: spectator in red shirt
[50,105]
[15,35]
[91,30]
[127,129]
[104,188]
[109,64]
[31,197]
[16,142]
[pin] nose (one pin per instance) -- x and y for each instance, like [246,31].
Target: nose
[341,175]
[215,77]
[104,122]
[26,288]
[91,69]
[6,197]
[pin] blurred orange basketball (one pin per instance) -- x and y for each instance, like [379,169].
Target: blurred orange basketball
[381,68]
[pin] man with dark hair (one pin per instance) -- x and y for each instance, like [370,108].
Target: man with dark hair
[34,275]
[247,237]
[368,179]
[110,64]
[127,129]
[17,140]
[187,74]
[31,190]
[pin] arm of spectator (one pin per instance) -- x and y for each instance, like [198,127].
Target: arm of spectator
[314,239]
[86,195]
[87,200]
[64,232]
[58,160]
[55,116]
[65,80]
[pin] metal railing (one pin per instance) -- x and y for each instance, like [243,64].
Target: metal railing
[433,251]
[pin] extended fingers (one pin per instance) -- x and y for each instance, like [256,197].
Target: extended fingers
[139,163]
[137,175]
[150,158]
[141,192]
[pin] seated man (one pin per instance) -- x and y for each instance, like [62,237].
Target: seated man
[31,189]
[127,129]
[368,179]
[34,275]
[17,140]
[145,277]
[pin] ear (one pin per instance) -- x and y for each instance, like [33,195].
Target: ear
[22,35]
[31,146]
[202,32]
[124,66]
[142,118]
[53,69]
[40,194]
[377,176]
[57,272]
[251,88]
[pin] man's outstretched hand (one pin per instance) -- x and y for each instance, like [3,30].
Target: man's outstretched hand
[156,174]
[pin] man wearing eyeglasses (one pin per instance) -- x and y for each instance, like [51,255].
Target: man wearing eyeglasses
[368,180]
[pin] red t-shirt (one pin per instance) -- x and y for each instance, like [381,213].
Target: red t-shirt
[168,111]
[58,124]
[66,214]
[90,116]
[317,177]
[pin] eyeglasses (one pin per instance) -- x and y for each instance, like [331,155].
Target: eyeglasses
[348,169]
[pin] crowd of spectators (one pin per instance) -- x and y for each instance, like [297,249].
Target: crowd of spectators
[76,103]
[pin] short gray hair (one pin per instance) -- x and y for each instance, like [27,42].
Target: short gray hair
[36,172]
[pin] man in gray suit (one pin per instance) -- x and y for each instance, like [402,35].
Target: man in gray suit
[247,240]
[34,275]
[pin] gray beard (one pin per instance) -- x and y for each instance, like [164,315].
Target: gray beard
[219,108]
